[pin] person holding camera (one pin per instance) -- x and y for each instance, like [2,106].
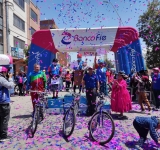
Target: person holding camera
[5,85]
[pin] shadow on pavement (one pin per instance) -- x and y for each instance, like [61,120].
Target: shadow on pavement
[131,144]
[22,116]
[28,132]
[90,139]
[61,134]
[115,117]
[133,111]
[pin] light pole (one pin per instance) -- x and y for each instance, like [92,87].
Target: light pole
[7,4]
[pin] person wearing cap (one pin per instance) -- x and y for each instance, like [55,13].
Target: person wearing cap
[5,85]
[54,71]
[101,73]
[143,125]
[120,97]
[91,83]
[156,87]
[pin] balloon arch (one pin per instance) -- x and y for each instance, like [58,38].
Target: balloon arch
[123,41]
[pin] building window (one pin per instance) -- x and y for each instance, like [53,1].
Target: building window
[1,49]
[20,3]
[19,43]
[18,22]
[34,16]
[32,31]
[1,36]
[1,23]
[1,9]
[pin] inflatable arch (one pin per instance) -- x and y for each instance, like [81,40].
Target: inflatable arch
[123,41]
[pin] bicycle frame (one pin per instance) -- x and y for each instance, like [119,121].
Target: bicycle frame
[41,97]
[99,107]
[75,101]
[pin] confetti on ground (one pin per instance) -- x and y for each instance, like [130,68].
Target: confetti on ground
[49,132]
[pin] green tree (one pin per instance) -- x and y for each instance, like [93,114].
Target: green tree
[109,63]
[149,30]
[26,52]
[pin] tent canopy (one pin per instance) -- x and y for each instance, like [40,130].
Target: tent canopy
[5,59]
[80,40]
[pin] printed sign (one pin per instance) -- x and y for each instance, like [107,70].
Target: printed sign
[73,40]
[78,75]
[55,81]
[89,53]
[74,64]
[101,51]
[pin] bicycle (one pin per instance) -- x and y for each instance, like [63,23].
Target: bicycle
[98,120]
[71,112]
[39,111]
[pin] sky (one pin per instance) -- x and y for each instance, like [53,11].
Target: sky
[92,13]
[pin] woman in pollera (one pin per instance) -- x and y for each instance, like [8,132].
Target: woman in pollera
[120,97]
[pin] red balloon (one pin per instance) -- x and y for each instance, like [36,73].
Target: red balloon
[79,55]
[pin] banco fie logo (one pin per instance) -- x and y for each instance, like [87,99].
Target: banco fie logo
[66,38]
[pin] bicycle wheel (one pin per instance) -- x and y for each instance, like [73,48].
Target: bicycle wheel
[44,110]
[76,108]
[69,122]
[101,127]
[24,90]
[16,89]
[35,121]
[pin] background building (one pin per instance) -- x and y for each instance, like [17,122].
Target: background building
[64,58]
[23,21]
[48,24]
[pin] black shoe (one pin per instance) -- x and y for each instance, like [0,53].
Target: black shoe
[88,115]
[5,139]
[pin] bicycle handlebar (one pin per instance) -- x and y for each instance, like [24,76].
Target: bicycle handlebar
[75,94]
[39,92]
[100,95]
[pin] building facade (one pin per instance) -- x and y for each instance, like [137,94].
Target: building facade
[48,24]
[64,58]
[23,21]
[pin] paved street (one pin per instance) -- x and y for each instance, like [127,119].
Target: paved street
[49,137]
